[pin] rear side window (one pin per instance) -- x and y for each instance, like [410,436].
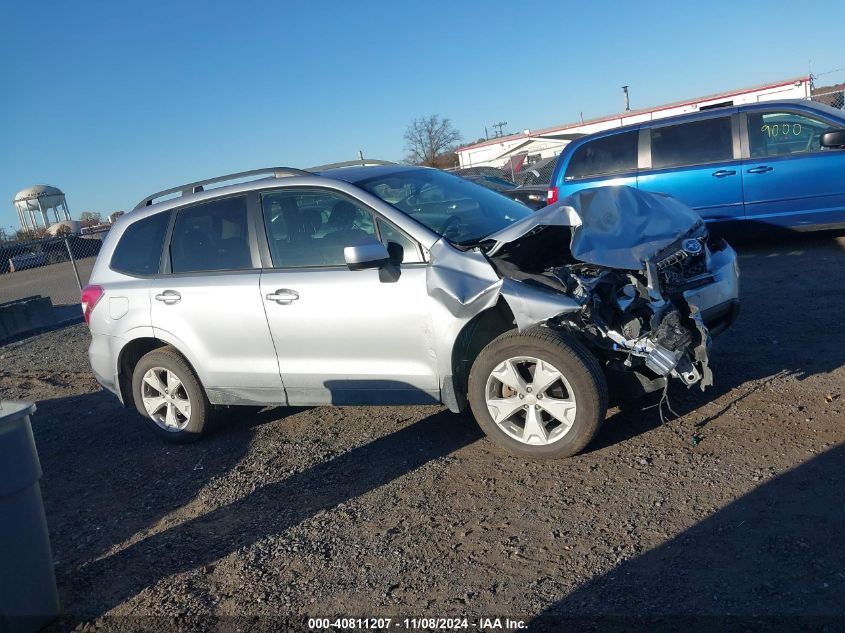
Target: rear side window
[694,143]
[139,250]
[211,236]
[608,155]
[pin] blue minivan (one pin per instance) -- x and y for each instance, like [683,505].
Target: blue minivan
[779,163]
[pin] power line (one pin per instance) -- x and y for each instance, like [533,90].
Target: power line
[828,72]
[499,126]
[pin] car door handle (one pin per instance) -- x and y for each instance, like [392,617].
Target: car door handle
[724,172]
[169,297]
[762,169]
[283,296]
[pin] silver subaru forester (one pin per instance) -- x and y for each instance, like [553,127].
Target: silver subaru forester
[362,284]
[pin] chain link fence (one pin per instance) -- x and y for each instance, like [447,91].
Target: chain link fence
[55,267]
[835,99]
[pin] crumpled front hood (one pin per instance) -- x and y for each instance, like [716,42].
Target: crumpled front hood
[615,227]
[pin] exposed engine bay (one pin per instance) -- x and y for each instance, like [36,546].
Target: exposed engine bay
[631,262]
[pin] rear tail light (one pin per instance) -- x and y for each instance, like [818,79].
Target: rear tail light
[91,295]
[551,195]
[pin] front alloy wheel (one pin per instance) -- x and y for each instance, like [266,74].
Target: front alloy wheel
[538,393]
[530,400]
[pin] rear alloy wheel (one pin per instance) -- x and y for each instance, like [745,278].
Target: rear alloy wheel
[165,399]
[538,393]
[169,395]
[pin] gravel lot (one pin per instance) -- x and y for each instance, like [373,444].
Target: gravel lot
[735,508]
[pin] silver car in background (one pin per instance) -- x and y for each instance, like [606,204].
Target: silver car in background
[387,284]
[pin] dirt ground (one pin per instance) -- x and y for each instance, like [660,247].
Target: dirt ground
[736,509]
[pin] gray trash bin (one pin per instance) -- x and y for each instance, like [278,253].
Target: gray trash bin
[28,598]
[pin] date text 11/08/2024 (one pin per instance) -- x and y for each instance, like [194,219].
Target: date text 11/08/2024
[445,624]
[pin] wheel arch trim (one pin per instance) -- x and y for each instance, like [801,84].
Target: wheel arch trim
[145,341]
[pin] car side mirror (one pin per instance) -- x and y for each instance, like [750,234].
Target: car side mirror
[833,139]
[369,254]
[396,252]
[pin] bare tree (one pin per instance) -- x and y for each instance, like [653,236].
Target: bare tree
[27,235]
[90,218]
[431,141]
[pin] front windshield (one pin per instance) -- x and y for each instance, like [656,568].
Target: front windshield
[461,211]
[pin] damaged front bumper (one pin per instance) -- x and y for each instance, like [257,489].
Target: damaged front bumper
[718,302]
[632,275]
[643,285]
[686,311]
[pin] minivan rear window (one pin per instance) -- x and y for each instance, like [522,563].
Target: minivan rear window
[693,143]
[139,250]
[607,155]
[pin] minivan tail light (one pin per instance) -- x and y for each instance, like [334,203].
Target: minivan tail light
[91,295]
[551,195]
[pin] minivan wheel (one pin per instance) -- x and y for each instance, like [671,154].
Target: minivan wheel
[169,395]
[538,393]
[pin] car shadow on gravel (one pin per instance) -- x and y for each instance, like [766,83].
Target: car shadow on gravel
[119,479]
[109,581]
[772,560]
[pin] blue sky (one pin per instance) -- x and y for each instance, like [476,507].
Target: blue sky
[111,101]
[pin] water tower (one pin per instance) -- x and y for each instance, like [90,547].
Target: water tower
[40,206]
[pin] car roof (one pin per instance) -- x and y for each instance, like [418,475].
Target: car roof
[801,104]
[356,174]
[192,192]
[344,179]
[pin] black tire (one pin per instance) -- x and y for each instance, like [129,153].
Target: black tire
[572,359]
[171,360]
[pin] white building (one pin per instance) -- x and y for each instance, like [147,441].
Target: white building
[549,142]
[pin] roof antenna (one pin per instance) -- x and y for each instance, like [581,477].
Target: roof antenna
[627,98]
[361,155]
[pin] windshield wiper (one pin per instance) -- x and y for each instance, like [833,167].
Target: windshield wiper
[465,245]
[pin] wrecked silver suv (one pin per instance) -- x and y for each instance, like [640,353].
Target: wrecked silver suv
[389,284]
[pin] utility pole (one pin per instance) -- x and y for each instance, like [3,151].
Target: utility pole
[627,98]
[498,126]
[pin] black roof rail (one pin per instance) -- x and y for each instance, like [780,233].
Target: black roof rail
[361,162]
[196,187]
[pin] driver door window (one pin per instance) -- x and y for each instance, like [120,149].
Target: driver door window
[310,228]
[784,133]
[410,249]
